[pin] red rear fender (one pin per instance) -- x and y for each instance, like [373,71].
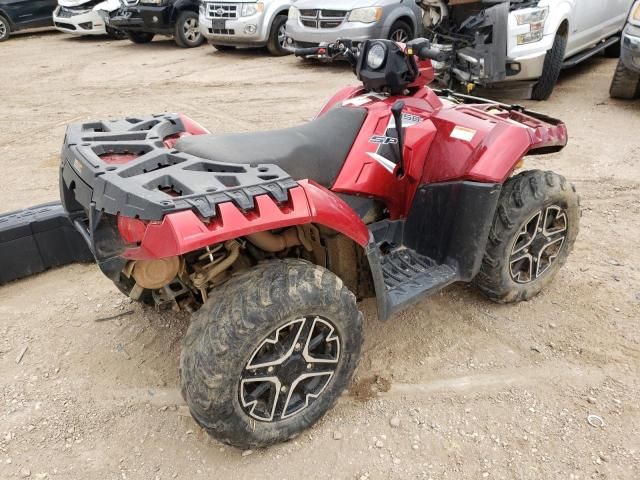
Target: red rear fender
[183,232]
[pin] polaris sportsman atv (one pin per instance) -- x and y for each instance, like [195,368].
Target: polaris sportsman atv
[394,191]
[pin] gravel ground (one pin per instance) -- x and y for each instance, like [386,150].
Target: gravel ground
[466,388]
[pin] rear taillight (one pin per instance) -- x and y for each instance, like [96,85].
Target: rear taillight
[131,229]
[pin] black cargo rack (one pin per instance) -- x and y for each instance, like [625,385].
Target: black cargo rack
[124,167]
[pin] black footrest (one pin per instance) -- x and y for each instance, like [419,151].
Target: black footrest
[408,276]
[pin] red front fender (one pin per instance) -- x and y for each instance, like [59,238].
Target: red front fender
[183,232]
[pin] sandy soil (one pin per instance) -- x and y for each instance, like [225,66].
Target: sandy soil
[481,390]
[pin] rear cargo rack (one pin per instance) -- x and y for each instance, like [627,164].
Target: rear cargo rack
[129,167]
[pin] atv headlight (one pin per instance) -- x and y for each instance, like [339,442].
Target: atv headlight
[365,15]
[249,9]
[376,56]
[294,13]
[533,15]
[151,2]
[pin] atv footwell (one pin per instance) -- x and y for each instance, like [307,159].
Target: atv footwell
[36,239]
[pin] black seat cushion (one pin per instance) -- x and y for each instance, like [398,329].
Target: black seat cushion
[316,150]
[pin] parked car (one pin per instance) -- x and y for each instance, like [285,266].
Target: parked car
[312,22]
[245,24]
[520,40]
[626,81]
[86,17]
[22,14]
[142,20]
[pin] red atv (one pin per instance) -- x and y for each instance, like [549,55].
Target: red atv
[394,191]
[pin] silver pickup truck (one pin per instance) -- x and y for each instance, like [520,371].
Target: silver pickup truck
[245,23]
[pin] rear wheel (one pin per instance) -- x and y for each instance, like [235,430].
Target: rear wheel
[278,36]
[187,32]
[401,32]
[551,70]
[140,37]
[625,84]
[270,353]
[5,29]
[536,224]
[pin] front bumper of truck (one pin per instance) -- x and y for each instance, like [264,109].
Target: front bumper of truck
[143,18]
[229,28]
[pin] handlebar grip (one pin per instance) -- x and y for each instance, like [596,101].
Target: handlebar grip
[302,52]
[427,53]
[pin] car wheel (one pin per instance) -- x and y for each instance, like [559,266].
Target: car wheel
[551,70]
[278,37]
[401,32]
[140,37]
[625,84]
[5,29]
[270,353]
[223,48]
[116,34]
[187,32]
[535,227]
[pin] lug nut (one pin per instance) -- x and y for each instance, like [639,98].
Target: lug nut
[270,369]
[298,346]
[283,389]
[309,366]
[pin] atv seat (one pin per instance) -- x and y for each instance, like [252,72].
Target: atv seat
[315,151]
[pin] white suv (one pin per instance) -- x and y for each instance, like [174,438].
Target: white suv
[245,23]
[529,40]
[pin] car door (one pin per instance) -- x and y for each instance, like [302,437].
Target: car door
[30,13]
[615,16]
[587,23]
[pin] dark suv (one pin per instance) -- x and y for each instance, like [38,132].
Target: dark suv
[20,14]
[144,19]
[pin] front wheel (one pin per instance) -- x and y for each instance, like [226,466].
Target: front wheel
[401,32]
[625,83]
[536,224]
[140,37]
[270,352]
[187,32]
[278,37]
[5,29]
[551,70]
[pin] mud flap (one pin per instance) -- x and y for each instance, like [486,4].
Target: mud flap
[36,239]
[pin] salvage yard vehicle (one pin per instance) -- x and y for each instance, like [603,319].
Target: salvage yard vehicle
[245,24]
[86,17]
[626,80]
[312,22]
[394,191]
[493,41]
[142,20]
[23,14]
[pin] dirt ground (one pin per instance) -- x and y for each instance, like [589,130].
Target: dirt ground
[480,390]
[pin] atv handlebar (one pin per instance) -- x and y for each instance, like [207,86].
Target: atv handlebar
[428,53]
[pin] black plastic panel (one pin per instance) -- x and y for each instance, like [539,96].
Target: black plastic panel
[155,180]
[36,239]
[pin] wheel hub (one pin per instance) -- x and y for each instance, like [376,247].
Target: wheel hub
[290,369]
[537,244]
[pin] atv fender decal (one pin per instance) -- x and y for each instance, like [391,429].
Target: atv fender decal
[463,133]
[383,140]
[388,164]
